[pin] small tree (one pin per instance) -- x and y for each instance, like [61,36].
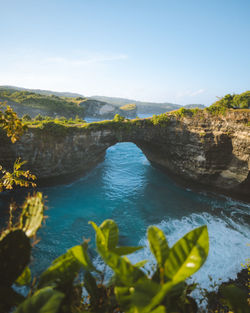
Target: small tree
[39,117]
[118,118]
[12,125]
[26,117]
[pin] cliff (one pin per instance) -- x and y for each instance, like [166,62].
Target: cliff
[197,147]
[49,104]
[103,110]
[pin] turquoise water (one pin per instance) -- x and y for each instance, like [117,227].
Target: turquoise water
[126,188]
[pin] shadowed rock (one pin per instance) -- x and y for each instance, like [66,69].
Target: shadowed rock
[204,149]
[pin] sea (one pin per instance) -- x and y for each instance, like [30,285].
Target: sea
[125,187]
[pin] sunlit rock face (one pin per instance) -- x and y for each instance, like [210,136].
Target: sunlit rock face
[103,110]
[211,151]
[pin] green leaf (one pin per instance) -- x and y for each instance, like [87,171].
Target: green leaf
[100,238]
[24,278]
[144,297]
[158,298]
[111,233]
[123,296]
[62,271]
[45,300]
[144,292]
[67,266]
[127,273]
[160,309]
[187,255]
[81,254]
[158,244]
[136,298]
[125,250]
[235,298]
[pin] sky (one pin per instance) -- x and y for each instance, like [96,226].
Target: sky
[179,51]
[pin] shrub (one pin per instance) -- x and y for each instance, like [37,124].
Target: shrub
[160,119]
[39,117]
[26,117]
[240,101]
[118,118]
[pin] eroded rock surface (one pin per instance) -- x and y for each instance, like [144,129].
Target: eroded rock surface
[213,151]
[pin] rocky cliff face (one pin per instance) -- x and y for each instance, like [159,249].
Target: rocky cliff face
[103,110]
[213,151]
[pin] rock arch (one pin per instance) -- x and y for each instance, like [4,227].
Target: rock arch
[210,151]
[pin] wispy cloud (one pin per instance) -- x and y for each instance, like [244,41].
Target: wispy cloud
[86,60]
[190,93]
[197,92]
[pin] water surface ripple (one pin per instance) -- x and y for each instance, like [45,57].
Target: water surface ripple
[126,188]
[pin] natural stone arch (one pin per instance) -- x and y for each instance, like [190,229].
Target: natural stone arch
[211,151]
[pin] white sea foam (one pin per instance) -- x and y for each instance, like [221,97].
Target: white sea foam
[228,246]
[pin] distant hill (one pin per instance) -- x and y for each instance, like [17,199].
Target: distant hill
[93,105]
[32,103]
[142,107]
[44,92]
[147,107]
[193,106]
[53,104]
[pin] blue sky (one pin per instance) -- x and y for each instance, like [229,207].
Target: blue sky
[181,51]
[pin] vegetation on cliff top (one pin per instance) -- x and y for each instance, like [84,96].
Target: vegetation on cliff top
[235,101]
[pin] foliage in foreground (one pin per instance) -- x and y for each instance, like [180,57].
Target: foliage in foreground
[130,289]
[14,129]
[15,250]
[73,284]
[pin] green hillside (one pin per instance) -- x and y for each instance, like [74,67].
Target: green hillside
[27,102]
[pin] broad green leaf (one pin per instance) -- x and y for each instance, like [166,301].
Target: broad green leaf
[143,293]
[111,233]
[158,244]
[136,298]
[187,255]
[67,266]
[123,296]
[81,254]
[24,278]
[100,238]
[144,296]
[158,298]
[127,273]
[45,300]
[160,309]
[62,271]
[125,250]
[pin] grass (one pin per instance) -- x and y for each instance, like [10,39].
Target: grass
[128,107]
[52,104]
[62,126]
